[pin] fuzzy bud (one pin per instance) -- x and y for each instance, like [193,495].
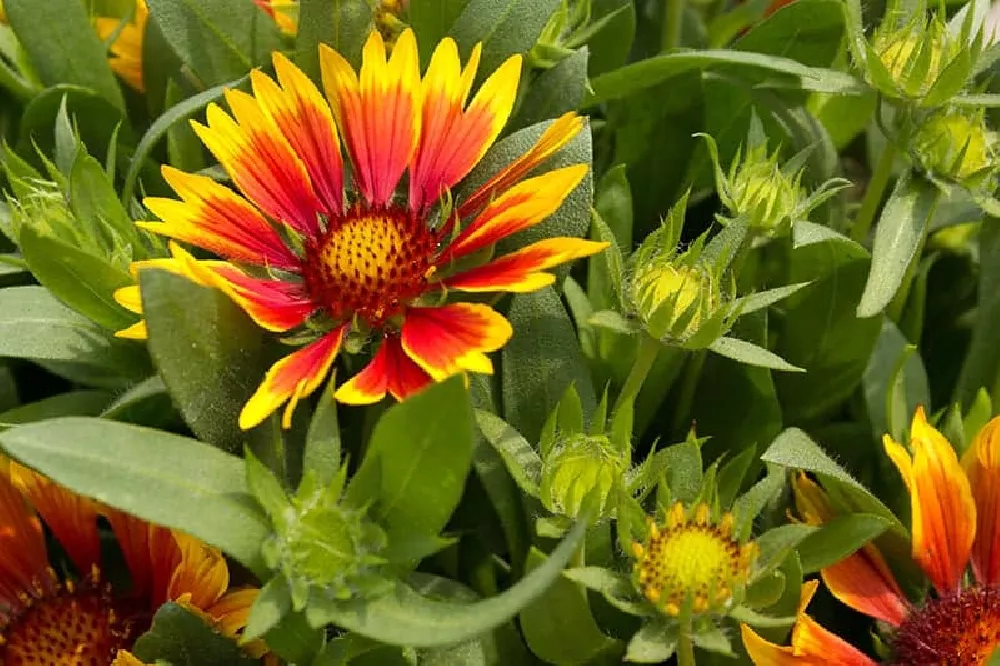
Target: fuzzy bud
[577,468]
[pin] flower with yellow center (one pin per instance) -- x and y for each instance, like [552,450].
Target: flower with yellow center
[954,525]
[126,49]
[692,562]
[313,246]
[81,619]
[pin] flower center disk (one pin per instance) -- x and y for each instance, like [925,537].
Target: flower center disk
[960,630]
[370,264]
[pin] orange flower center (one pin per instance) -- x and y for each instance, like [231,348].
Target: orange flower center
[960,630]
[370,264]
[74,626]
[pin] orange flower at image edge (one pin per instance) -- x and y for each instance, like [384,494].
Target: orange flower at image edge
[375,262]
[126,49]
[84,620]
[954,507]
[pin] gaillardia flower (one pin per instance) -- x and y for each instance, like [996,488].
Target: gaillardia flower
[126,49]
[284,12]
[380,260]
[954,509]
[79,618]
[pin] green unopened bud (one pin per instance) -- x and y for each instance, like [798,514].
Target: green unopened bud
[578,470]
[957,146]
[674,299]
[914,56]
[758,191]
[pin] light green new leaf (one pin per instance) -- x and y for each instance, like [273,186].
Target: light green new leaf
[751,354]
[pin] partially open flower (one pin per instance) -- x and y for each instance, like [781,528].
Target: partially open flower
[580,469]
[692,562]
[910,59]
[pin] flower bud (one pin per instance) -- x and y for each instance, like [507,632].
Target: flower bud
[674,299]
[762,194]
[914,57]
[957,146]
[577,470]
[566,30]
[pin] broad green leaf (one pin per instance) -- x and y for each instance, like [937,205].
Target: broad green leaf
[505,27]
[342,24]
[981,366]
[749,353]
[655,642]
[322,450]
[807,31]
[273,603]
[558,626]
[895,383]
[783,72]
[555,91]
[34,325]
[837,539]
[175,114]
[420,452]
[86,402]
[146,403]
[521,460]
[505,498]
[432,20]
[163,478]
[76,277]
[95,118]
[181,638]
[609,46]
[63,46]
[534,374]
[898,237]
[218,39]
[775,544]
[616,588]
[404,617]
[209,353]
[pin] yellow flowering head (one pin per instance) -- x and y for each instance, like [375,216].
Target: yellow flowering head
[956,145]
[577,470]
[913,57]
[692,563]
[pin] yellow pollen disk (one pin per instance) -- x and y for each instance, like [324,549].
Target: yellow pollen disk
[79,625]
[692,560]
[370,265]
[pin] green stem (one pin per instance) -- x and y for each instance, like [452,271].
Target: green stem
[873,195]
[685,648]
[644,358]
[673,24]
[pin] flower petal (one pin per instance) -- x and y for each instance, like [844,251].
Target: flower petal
[454,338]
[215,218]
[452,141]
[812,645]
[556,135]
[201,574]
[275,305]
[378,112]
[982,466]
[292,378]
[133,537]
[521,207]
[71,517]
[126,50]
[261,162]
[943,513]
[390,371]
[23,557]
[522,271]
[298,109]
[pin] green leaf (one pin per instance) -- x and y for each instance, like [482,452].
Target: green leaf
[404,617]
[93,199]
[505,498]
[146,403]
[209,353]
[218,39]
[266,489]
[322,451]
[534,379]
[504,27]
[72,403]
[62,45]
[163,478]
[784,72]
[181,638]
[898,237]
[616,588]
[767,298]
[655,642]
[558,626]
[34,325]
[775,544]
[609,46]
[555,91]
[749,616]
[981,365]
[273,603]
[420,452]
[175,114]
[520,458]
[751,354]
[76,277]
[343,24]
[837,539]
[432,20]
[895,383]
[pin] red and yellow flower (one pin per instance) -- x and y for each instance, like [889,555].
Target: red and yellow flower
[126,49]
[381,260]
[284,12]
[954,509]
[81,619]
